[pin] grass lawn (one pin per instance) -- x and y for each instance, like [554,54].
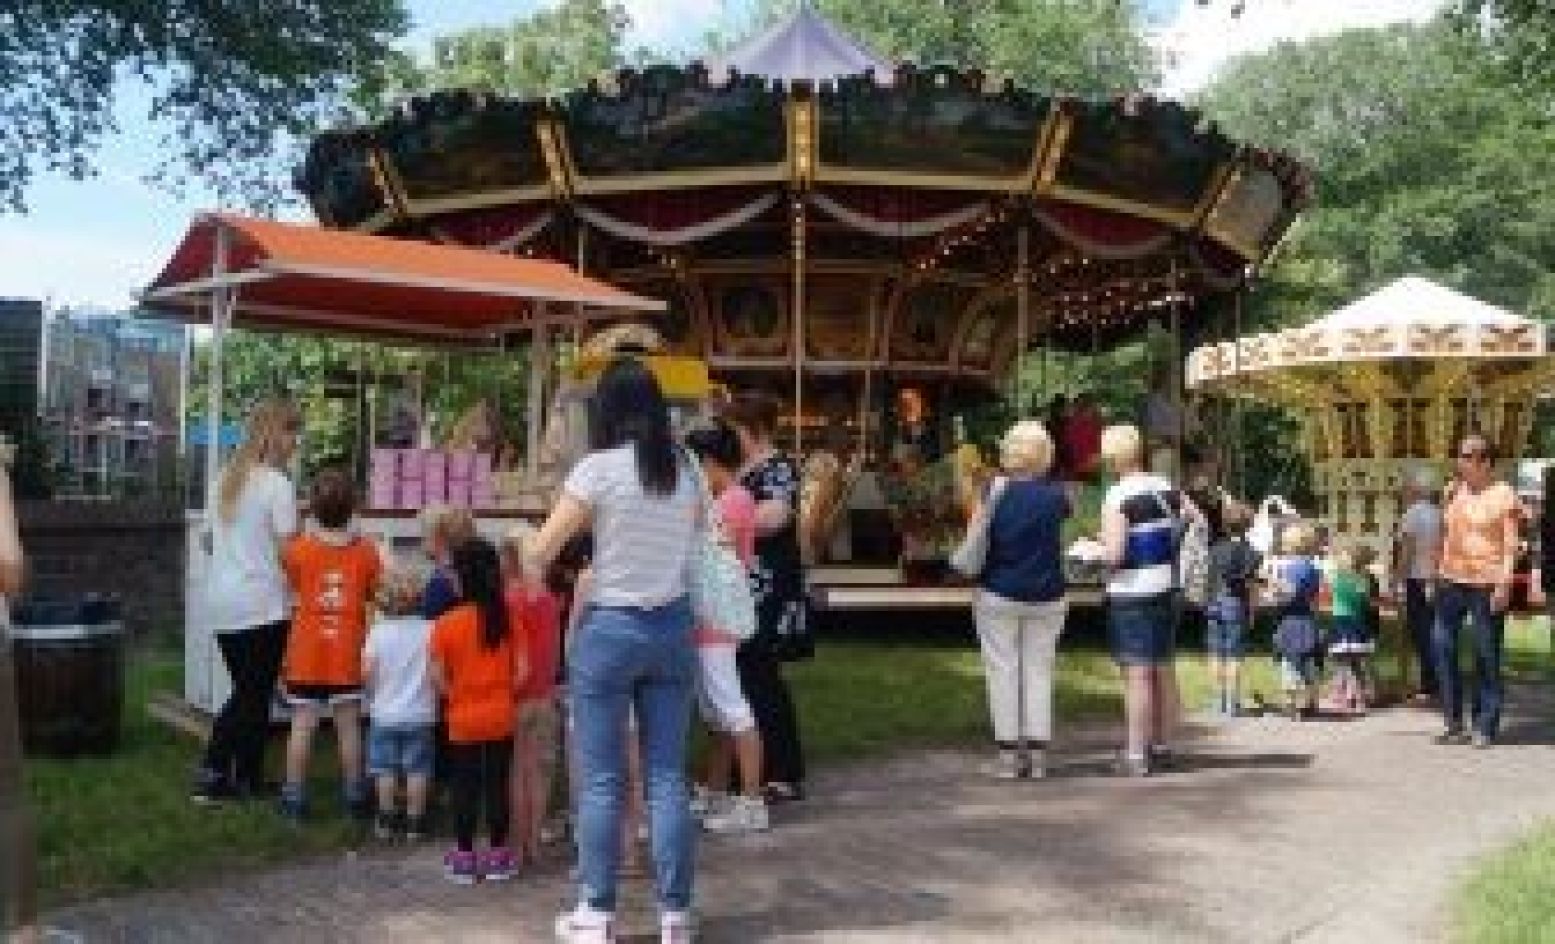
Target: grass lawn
[124,822]
[1510,897]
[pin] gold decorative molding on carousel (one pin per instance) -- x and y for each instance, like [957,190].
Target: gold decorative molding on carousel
[1383,386]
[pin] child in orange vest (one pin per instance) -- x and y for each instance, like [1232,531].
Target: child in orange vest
[333,574]
[478,671]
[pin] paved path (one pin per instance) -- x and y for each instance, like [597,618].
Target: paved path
[1314,832]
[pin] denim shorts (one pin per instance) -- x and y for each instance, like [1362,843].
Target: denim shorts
[1225,631]
[400,749]
[1142,631]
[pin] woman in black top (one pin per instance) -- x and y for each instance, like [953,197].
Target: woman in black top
[782,625]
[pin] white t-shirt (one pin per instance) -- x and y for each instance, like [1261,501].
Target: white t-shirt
[1149,559]
[400,679]
[247,587]
[642,543]
[1421,532]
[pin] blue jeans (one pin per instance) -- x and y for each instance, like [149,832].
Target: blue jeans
[1420,615]
[1454,603]
[633,659]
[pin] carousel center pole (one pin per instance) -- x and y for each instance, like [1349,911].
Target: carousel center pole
[798,314]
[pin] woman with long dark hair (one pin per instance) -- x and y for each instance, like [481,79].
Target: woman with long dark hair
[782,625]
[633,650]
[475,668]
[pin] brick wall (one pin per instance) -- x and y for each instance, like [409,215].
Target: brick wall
[133,549]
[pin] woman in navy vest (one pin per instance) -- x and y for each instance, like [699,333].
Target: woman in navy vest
[1020,607]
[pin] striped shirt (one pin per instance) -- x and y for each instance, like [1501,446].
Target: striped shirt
[1149,505]
[642,542]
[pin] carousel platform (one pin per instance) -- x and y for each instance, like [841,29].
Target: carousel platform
[842,588]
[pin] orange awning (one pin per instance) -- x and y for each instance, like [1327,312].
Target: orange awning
[302,277]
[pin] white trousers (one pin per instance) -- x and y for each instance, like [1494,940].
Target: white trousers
[1020,652]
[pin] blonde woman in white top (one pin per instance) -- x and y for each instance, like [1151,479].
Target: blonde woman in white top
[254,517]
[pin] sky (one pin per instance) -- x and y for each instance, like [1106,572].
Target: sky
[97,242]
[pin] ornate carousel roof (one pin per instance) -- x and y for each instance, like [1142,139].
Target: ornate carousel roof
[1410,337]
[915,187]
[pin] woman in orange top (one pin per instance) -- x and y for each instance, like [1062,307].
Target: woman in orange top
[477,669]
[333,573]
[1479,551]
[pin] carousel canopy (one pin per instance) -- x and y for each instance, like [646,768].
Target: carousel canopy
[802,47]
[1413,319]
[285,275]
[915,191]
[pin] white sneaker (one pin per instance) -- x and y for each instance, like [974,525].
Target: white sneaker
[1008,765]
[706,802]
[584,925]
[675,928]
[744,815]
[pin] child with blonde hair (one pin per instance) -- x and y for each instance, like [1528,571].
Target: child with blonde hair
[1296,583]
[402,704]
[535,616]
[443,528]
[1350,639]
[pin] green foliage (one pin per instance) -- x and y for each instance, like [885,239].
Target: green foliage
[549,52]
[1429,161]
[319,373]
[1089,47]
[231,83]
[1521,32]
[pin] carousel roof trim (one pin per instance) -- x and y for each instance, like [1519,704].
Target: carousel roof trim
[802,47]
[1410,319]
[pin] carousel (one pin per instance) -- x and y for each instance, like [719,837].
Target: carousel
[1384,388]
[875,245]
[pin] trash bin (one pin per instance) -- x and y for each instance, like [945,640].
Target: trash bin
[69,659]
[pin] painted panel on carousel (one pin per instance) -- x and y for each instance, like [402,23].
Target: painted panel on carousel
[679,324]
[938,121]
[924,324]
[980,337]
[668,119]
[837,313]
[456,143]
[1148,153]
[752,319]
[1250,209]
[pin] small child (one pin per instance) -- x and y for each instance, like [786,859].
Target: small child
[1351,639]
[403,706]
[333,573]
[1295,587]
[442,529]
[535,616]
[723,704]
[476,669]
[1233,567]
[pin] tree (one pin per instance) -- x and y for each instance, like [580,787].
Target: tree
[1091,47]
[547,53]
[1521,31]
[1429,161]
[231,82]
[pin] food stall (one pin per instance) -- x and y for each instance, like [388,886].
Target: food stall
[231,271]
